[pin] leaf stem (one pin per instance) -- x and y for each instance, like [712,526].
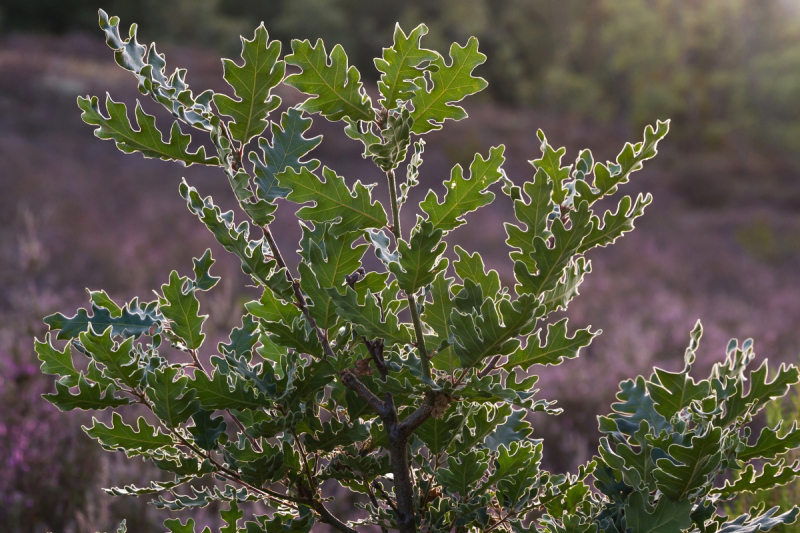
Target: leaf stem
[412,304]
[395,208]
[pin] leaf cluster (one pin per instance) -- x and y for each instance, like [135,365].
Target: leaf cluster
[409,385]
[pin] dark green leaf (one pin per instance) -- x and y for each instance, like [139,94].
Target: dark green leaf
[448,84]
[181,309]
[252,83]
[464,195]
[172,401]
[121,436]
[335,88]
[349,210]
[89,396]
[287,150]
[400,65]
[556,348]
[147,139]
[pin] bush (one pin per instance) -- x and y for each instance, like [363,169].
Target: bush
[401,384]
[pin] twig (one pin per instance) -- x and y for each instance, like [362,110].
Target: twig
[489,367]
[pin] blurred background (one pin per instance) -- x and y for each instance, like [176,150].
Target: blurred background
[721,241]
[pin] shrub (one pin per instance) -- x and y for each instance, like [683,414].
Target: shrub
[405,386]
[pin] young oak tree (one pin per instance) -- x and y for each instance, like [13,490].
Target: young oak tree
[408,386]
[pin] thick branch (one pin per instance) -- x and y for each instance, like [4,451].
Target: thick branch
[418,417]
[353,383]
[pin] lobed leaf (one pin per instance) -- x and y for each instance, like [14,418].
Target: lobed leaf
[120,436]
[348,210]
[173,400]
[464,195]
[120,361]
[89,396]
[448,84]
[335,87]
[147,140]
[288,149]
[557,347]
[252,82]
[182,310]
[401,65]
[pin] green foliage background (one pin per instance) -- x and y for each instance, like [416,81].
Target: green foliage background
[724,70]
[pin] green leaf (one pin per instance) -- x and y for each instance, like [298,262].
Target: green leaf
[400,65]
[515,464]
[271,309]
[331,259]
[147,139]
[439,433]
[437,315]
[449,84]
[464,195]
[642,462]
[770,445]
[120,360]
[231,517]
[242,339]
[672,391]
[252,83]
[335,88]
[557,347]
[516,469]
[419,259]
[567,287]
[761,391]
[89,396]
[101,299]
[311,379]
[615,224]
[203,280]
[206,430]
[514,429]
[120,436]
[222,391]
[296,335]
[533,214]
[287,150]
[282,523]
[470,266]
[550,262]
[129,324]
[181,309]
[492,332]
[175,526]
[235,239]
[367,319]
[336,434]
[629,160]
[172,401]
[481,423]
[667,517]
[694,464]
[463,472]
[267,466]
[636,405]
[764,522]
[550,163]
[396,138]
[350,210]
[771,476]
[149,66]
[56,363]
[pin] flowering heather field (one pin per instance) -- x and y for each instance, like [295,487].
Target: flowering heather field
[721,242]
